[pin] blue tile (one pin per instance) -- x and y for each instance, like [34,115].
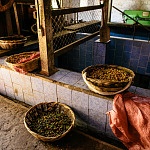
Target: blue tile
[133,64]
[112,43]
[143,61]
[135,54]
[82,61]
[125,64]
[120,41]
[97,60]
[141,70]
[127,48]
[90,47]
[118,61]
[110,56]
[119,51]
[126,56]
[89,57]
[145,48]
[128,42]
[88,63]
[137,43]
[148,70]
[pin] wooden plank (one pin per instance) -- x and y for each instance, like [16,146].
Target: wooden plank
[32,2]
[16,18]
[81,25]
[57,12]
[9,23]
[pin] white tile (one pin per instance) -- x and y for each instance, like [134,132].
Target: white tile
[80,99]
[10,92]
[38,97]
[110,105]
[132,89]
[29,99]
[98,104]
[37,84]
[109,132]
[64,95]
[18,92]
[71,78]
[6,76]
[81,84]
[142,92]
[2,60]
[49,91]
[1,77]
[16,77]
[2,87]
[97,120]
[26,84]
[80,104]
[59,74]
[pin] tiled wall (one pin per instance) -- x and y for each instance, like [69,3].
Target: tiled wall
[66,87]
[89,53]
[129,53]
[33,89]
[133,54]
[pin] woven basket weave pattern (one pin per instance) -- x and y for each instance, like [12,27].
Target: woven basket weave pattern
[35,110]
[107,87]
[26,66]
[12,42]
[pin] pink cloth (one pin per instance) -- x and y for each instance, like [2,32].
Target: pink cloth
[130,120]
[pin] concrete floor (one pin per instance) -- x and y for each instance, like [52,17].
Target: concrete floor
[14,136]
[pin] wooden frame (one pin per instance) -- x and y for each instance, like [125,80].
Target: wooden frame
[45,34]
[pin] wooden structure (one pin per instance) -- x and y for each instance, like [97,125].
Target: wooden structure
[45,33]
[46,37]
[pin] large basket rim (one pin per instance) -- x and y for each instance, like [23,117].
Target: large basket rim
[5,40]
[119,67]
[101,90]
[43,138]
[23,63]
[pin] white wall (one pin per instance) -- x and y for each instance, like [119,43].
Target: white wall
[116,16]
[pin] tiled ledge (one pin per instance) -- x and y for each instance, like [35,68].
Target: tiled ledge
[66,87]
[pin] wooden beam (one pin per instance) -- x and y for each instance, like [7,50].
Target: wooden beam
[57,12]
[16,18]
[31,2]
[45,36]
[9,23]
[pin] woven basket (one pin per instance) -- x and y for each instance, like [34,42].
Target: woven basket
[26,66]
[106,87]
[37,109]
[12,42]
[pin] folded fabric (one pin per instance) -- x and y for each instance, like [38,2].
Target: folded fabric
[130,120]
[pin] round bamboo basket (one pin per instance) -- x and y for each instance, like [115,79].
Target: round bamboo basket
[48,106]
[26,66]
[107,87]
[12,42]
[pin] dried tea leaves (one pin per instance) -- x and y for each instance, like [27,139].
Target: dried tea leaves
[50,123]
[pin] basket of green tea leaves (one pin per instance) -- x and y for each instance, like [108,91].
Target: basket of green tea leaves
[49,121]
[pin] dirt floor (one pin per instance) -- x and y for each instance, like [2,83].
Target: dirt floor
[14,135]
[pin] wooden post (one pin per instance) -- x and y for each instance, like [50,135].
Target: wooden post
[9,23]
[45,36]
[16,17]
